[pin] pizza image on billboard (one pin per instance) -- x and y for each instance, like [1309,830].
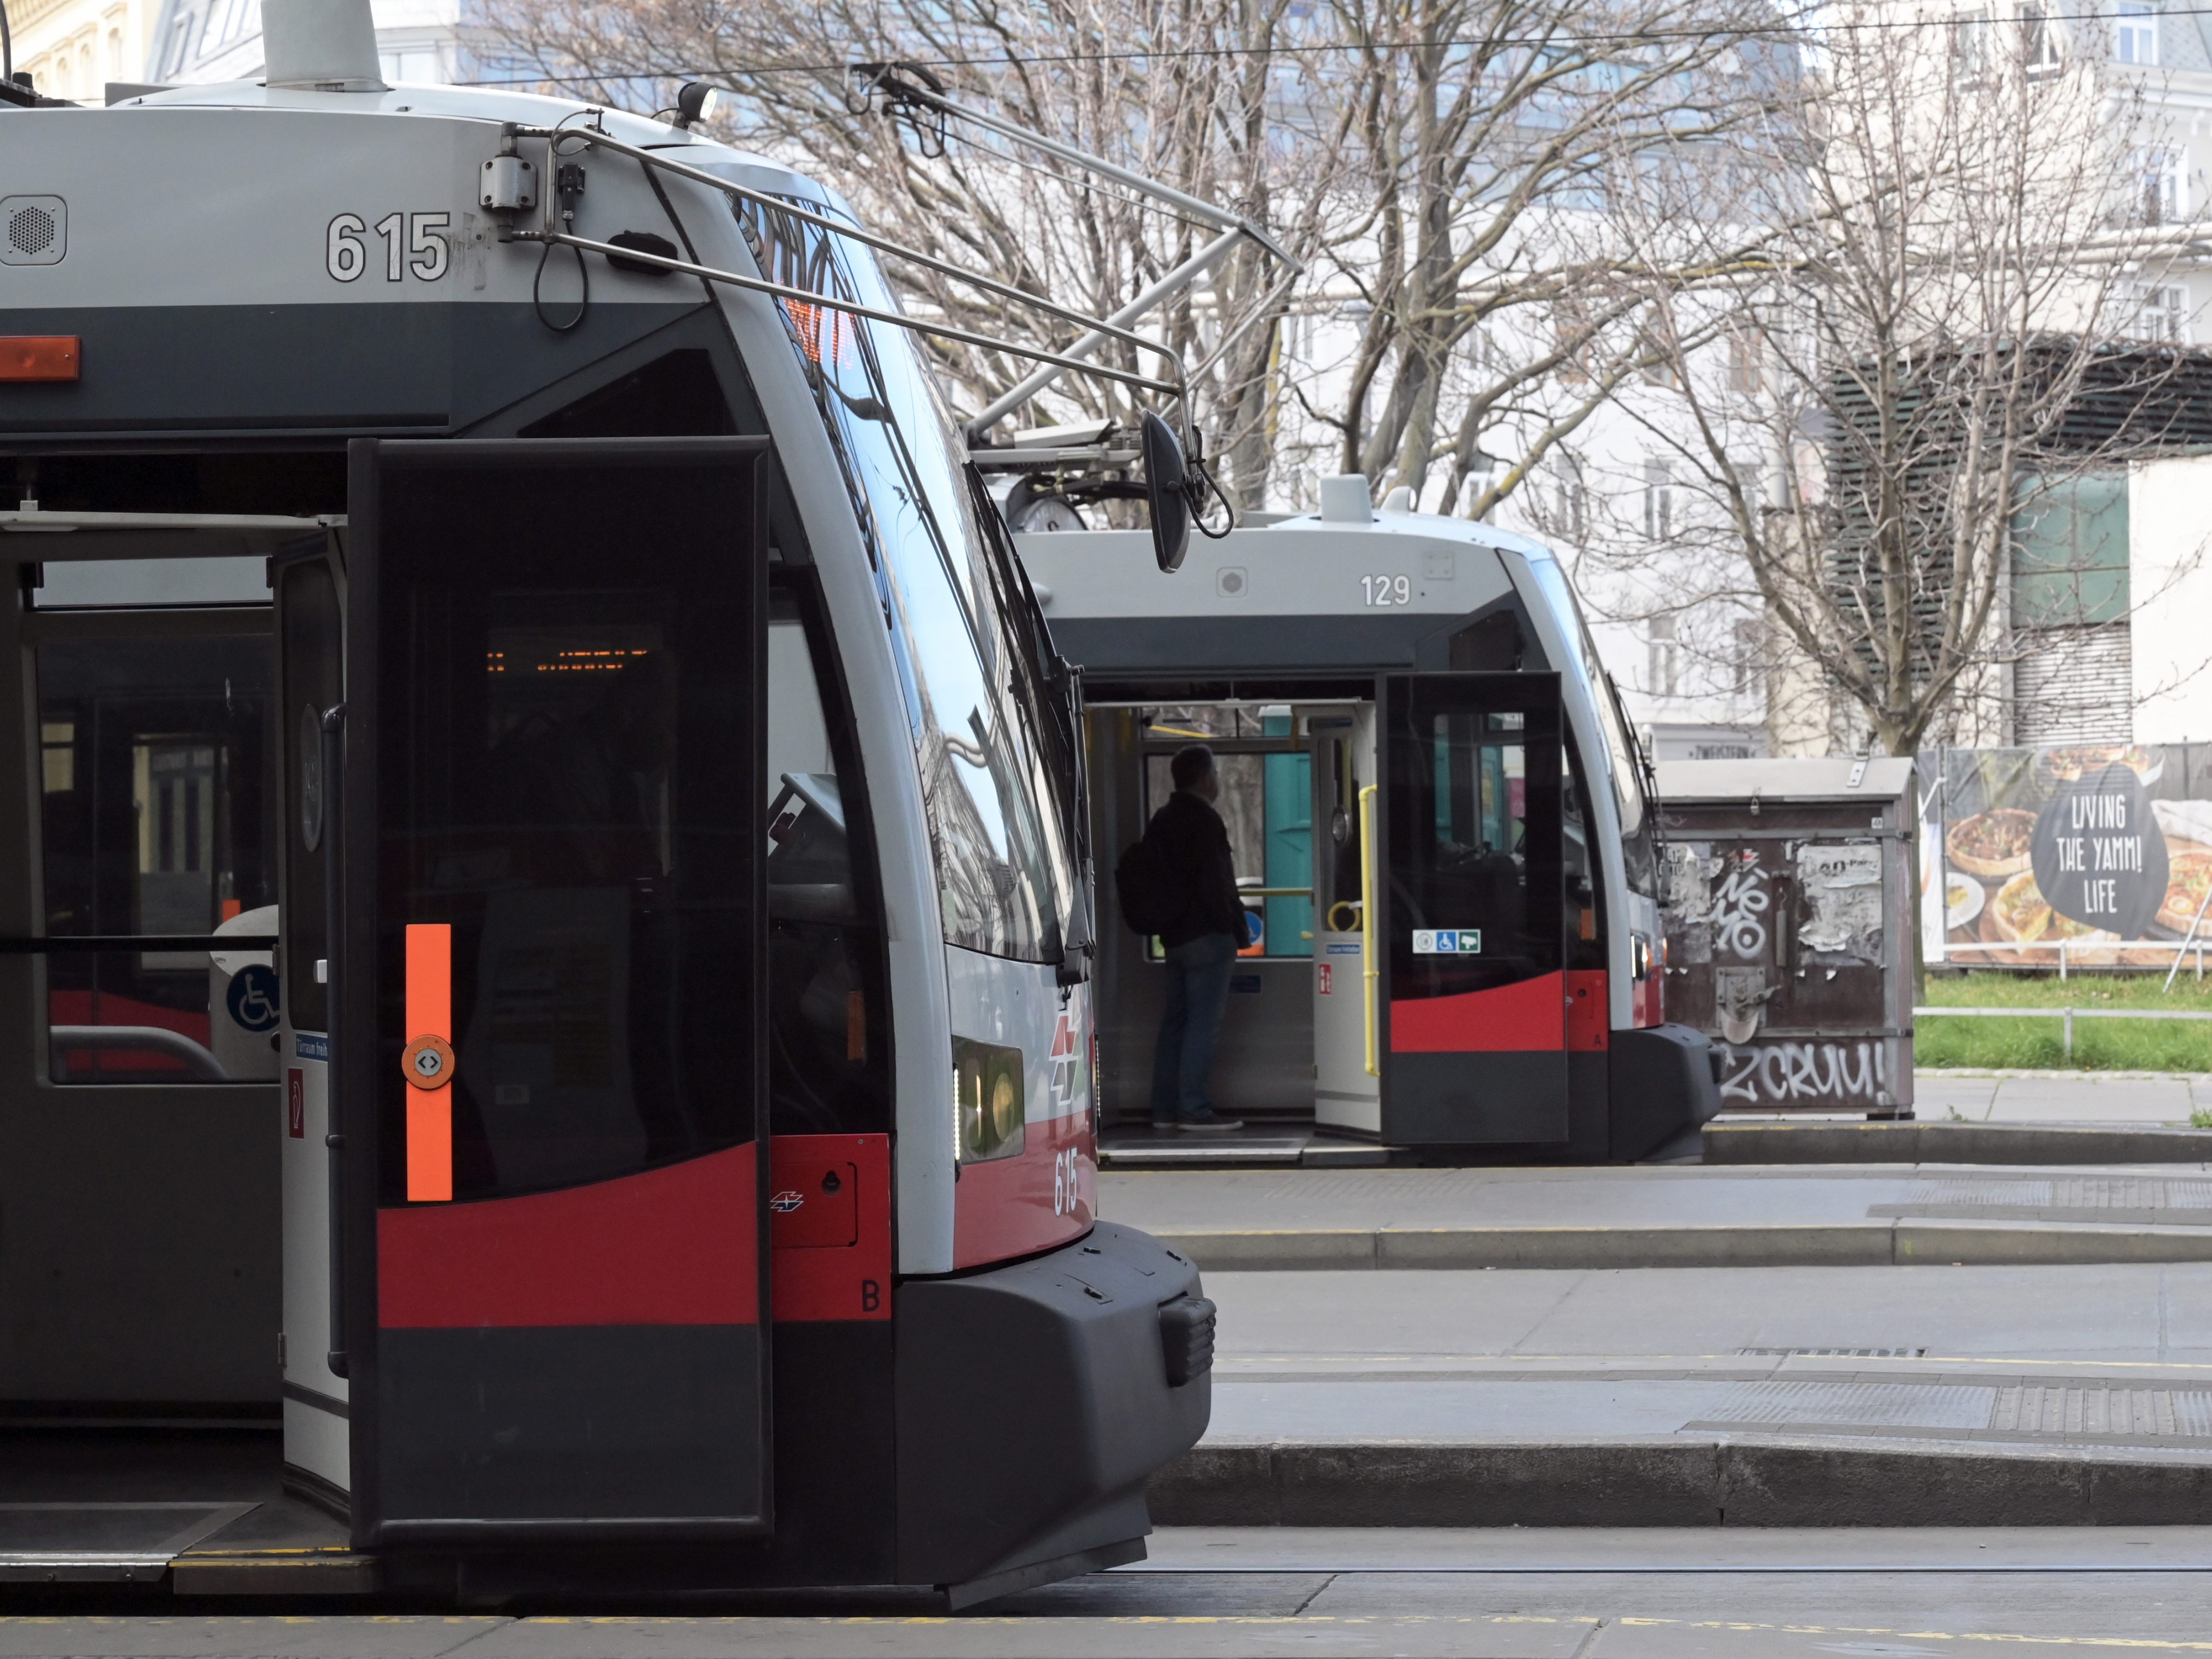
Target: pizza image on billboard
[1994,843]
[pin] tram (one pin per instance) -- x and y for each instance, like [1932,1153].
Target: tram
[554,955]
[1440,816]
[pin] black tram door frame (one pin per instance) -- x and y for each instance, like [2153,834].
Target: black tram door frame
[554,1349]
[1472,1039]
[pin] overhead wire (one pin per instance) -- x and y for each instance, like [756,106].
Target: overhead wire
[1781,31]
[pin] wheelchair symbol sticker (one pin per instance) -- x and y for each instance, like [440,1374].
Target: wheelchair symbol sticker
[253,997]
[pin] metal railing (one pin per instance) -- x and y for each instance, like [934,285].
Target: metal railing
[2101,952]
[2067,1015]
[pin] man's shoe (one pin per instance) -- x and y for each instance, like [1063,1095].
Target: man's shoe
[1210,1124]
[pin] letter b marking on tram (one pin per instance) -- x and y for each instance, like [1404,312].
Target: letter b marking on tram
[871,1296]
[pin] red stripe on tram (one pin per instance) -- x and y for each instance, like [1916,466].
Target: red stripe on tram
[1527,1016]
[673,1246]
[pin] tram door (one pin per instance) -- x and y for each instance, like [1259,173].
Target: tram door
[1471,923]
[548,1007]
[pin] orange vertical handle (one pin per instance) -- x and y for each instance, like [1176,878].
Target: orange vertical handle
[431,1111]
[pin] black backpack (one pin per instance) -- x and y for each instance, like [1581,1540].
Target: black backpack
[1140,887]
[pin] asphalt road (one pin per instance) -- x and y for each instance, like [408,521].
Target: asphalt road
[1519,1595]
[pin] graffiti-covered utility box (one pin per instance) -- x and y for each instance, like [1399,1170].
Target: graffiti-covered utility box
[1789,912]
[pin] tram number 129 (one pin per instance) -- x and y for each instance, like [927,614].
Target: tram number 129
[1388,590]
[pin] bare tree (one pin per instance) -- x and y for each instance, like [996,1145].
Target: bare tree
[1939,332]
[1190,92]
[1494,138]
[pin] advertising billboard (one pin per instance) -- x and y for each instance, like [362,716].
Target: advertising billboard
[2101,852]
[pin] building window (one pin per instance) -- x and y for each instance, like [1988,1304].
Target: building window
[180,47]
[1746,661]
[1570,516]
[2134,33]
[2038,40]
[2151,189]
[1969,44]
[1574,333]
[2069,555]
[1666,664]
[1658,502]
[2157,311]
[1743,361]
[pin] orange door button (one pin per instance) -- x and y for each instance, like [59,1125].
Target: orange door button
[428,1062]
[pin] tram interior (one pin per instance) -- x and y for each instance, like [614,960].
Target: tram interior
[1291,780]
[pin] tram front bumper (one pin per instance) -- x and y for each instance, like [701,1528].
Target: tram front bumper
[1035,1400]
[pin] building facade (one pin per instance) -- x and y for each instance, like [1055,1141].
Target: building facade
[420,40]
[73,48]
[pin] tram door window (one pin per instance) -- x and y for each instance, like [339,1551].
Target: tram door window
[313,683]
[1476,901]
[558,1002]
[156,755]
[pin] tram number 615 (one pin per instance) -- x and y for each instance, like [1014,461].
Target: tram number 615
[1064,1166]
[414,244]
[1388,590]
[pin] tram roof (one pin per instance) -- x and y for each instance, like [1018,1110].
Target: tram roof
[489,104]
[1298,597]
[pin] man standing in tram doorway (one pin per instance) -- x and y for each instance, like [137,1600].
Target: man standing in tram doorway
[1202,930]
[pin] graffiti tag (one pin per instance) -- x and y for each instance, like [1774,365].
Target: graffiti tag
[1741,902]
[1786,1070]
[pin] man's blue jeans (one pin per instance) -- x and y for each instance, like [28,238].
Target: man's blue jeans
[1198,991]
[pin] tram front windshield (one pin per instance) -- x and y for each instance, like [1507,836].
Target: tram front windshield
[1005,873]
[1626,768]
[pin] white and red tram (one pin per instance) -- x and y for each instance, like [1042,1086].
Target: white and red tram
[636,1120]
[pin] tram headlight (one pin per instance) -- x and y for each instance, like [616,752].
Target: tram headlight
[695,102]
[989,1102]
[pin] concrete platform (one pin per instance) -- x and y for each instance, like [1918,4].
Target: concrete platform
[2081,1097]
[1701,1398]
[1668,1216]
[1771,1141]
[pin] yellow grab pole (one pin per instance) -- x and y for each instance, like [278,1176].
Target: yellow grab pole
[1369,973]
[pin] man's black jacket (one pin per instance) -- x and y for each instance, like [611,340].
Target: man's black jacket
[1190,851]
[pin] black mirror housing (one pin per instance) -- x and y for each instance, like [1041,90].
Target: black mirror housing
[1166,476]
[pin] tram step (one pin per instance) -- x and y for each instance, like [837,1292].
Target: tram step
[68,1542]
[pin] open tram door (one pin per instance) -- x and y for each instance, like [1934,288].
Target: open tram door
[545,1291]
[1478,899]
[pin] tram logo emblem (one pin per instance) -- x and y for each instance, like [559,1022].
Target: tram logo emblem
[786,1201]
[1067,1061]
